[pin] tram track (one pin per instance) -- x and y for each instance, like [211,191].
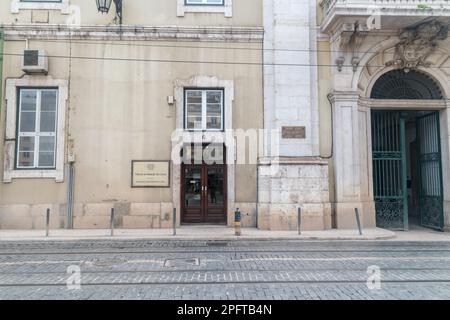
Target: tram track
[256,251]
[199,283]
[215,270]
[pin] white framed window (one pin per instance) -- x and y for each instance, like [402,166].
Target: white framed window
[205,6]
[34,145]
[17,5]
[36,128]
[204,109]
[205,2]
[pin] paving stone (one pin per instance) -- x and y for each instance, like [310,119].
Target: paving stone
[272,270]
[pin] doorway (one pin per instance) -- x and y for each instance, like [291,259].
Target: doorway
[204,191]
[407,169]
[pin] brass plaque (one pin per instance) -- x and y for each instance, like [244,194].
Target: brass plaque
[293,132]
[150,174]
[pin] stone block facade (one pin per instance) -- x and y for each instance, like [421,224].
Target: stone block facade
[294,184]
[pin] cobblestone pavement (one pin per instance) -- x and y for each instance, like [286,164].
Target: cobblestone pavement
[223,270]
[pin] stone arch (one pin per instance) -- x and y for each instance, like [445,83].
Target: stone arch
[397,84]
[376,63]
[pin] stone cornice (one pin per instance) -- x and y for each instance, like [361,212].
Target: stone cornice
[387,104]
[343,96]
[134,32]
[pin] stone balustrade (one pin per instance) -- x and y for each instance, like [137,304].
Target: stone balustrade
[420,5]
[338,8]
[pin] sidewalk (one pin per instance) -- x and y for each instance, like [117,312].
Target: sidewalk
[193,233]
[222,233]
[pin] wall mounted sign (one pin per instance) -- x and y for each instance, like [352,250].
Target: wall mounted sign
[150,174]
[293,132]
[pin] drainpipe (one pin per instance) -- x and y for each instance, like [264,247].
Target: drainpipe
[1,64]
[70,192]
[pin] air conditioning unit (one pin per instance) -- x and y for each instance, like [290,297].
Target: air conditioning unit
[35,61]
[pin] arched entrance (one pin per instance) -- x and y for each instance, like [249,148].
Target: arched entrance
[406,152]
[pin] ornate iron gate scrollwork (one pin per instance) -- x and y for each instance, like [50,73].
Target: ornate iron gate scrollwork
[430,166]
[389,169]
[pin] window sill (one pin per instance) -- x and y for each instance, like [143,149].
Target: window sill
[226,9]
[63,6]
[58,175]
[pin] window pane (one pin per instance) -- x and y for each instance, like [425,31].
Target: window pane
[194,96]
[27,122]
[46,152]
[46,159]
[214,110]
[46,144]
[28,100]
[193,109]
[214,123]
[48,122]
[26,159]
[26,144]
[194,123]
[214,97]
[48,100]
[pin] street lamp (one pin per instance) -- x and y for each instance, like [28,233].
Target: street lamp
[103,6]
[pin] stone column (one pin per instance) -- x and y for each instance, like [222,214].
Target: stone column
[352,160]
[290,75]
[291,173]
[445,149]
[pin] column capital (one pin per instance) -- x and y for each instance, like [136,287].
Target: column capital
[335,96]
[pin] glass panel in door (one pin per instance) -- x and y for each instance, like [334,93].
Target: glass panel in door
[215,186]
[193,186]
[216,195]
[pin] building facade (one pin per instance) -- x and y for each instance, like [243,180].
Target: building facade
[207,106]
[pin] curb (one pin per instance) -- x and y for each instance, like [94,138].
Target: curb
[188,238]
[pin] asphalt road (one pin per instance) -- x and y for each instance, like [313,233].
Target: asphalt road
[176,270]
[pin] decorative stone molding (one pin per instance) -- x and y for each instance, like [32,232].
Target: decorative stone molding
[63,6]
[10,172]
[128,32]
[374,66]
[349,40]
[417,44]
[205,82]
[226,8]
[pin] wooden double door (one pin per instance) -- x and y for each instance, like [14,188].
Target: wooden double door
[203,194]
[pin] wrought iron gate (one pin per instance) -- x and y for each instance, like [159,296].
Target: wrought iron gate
[389,169]
[430,167]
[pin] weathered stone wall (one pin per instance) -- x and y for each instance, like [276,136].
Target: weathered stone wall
[294,185]
[97,215]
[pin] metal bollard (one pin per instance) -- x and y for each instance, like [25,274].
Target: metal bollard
[112,222]
[237,223]
[358,221]
[47,223]
[299,220]
[174,221]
